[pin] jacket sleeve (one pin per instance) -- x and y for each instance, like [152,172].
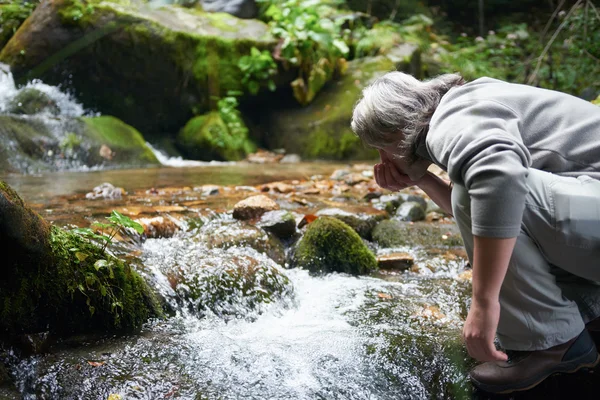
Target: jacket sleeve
[481,147]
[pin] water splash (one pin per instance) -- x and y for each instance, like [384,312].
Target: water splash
[180,162]
[67,105]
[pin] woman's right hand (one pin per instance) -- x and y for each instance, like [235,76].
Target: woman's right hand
[388,177]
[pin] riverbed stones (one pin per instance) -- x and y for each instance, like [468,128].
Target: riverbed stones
[32,101]
[394,233]
[395,261]
[281,223]
[330,245]
[410,211]
[253,207]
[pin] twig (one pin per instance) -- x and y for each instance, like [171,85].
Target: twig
[552,39]
[556,11]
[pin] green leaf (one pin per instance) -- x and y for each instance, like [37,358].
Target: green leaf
[81,256]
[253,87]
[100,264]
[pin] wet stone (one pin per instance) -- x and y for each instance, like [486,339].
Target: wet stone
[208,190]
[253,207]
[159,226]
[339,174]
[395,261]
[410,211]
[281,223]
[106,191]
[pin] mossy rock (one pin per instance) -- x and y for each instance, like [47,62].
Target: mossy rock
[597,101]
[207,137]
[32,101]
[54,280]
[152,67]
[321,130]
[330,245]
[27,145]
[237,282]
[227,234]
[394,233]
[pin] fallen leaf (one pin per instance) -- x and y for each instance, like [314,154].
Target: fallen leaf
[96,363]
[384,296]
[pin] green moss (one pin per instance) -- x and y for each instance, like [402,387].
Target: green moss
[208,137]
[120,137]
[52,280]
[329,245]
[597,101]
[12,16]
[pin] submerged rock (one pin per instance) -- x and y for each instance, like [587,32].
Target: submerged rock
[410,211]
[30,144]
[56,281]
[226,234]
[32,101]
[237,282]
[330,245]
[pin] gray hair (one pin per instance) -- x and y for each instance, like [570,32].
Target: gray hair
[397,103]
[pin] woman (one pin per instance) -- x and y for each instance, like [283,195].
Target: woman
[524,164]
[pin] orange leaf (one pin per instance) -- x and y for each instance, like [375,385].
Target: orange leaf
[96,363]
[384,296]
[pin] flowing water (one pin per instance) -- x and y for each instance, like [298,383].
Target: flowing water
[329,337]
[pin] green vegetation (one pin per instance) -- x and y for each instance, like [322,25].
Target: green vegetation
[59,281]
[258,68]
[12,15]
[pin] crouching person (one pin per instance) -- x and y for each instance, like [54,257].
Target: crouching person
[524,165]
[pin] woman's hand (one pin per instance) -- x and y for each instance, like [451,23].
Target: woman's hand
[480,330]
[389,177]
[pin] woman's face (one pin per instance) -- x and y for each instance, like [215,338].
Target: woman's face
[415,171]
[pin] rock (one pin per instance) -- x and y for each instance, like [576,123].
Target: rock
[329,245]
[395,261]
[239,8]
[362,222]
[321,130]
[106,191]
[283,188]
[253,207]
[30,145]
[159,227]
[410,211]
[32,101]
[291,159]
[227,234]
[264,157]
[281,223]
[339,174]
[208,190]
[153,67]
[208,137]
[394,233]
[233,284]
[56,281]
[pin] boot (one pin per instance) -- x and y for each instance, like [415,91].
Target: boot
[526,369]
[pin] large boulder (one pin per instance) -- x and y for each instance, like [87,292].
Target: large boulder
[57,281]
[153,67]
[32,144]
[322,130]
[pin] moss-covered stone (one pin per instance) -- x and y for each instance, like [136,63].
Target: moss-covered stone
[128,146]
[321,130]
[227,234]
[207,137]
[330,245]
[394,233]
[32,101]
[597,101]
[30,145]
[54,280]
[152,67]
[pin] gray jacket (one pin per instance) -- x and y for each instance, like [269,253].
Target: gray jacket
[487,133]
